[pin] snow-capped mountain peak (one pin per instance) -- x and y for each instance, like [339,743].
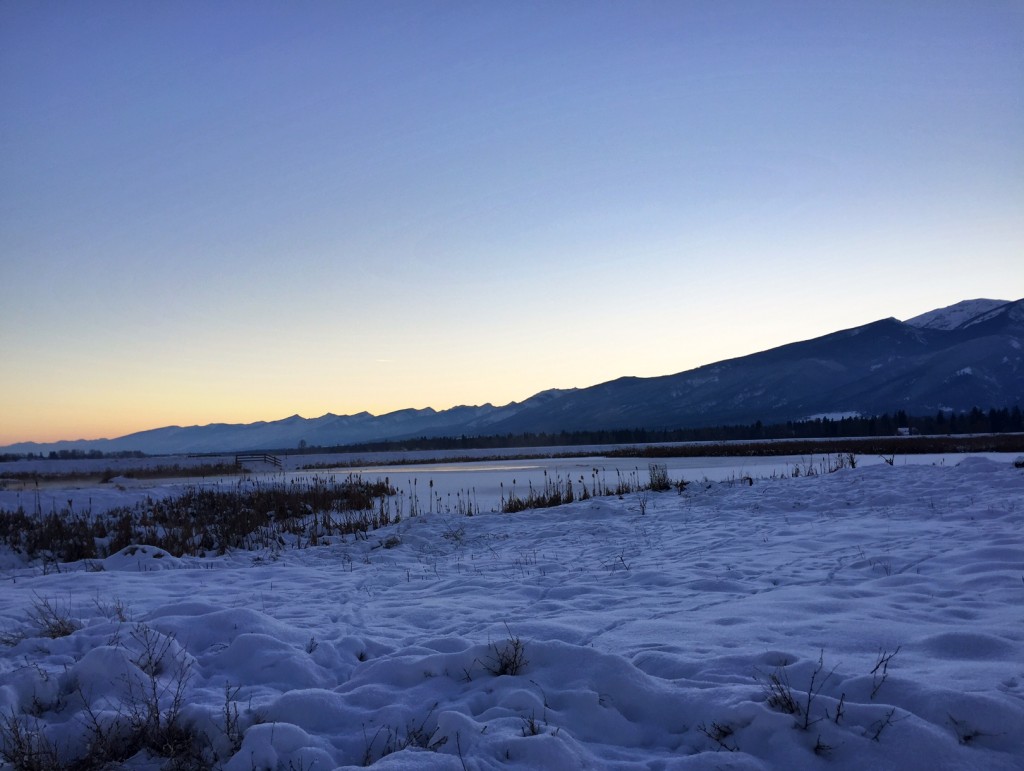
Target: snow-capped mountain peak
[955,315]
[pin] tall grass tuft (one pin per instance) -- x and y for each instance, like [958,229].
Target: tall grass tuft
[201,521]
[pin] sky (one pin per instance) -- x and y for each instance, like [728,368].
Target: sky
[230,212]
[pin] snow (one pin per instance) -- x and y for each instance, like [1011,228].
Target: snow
[833,415]
[955,315]
[651,630]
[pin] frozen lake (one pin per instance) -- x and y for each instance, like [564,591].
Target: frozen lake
[487,481]
[436,486]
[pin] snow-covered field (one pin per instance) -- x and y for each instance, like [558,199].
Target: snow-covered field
[868,618]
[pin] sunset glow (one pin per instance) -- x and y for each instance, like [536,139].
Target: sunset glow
[232,212]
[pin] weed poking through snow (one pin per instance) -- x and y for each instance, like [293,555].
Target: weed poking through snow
[718,733]
[508,658]
[779,694]
[881,670]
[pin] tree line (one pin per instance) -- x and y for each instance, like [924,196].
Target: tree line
[942,423]
[976,421]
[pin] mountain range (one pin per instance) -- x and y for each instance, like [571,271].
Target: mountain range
[954,358]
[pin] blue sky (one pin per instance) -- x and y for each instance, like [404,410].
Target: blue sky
[239,211]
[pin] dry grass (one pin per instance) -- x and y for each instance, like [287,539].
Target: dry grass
[202,521]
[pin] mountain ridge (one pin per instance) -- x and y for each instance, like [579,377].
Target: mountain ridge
[967,354]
